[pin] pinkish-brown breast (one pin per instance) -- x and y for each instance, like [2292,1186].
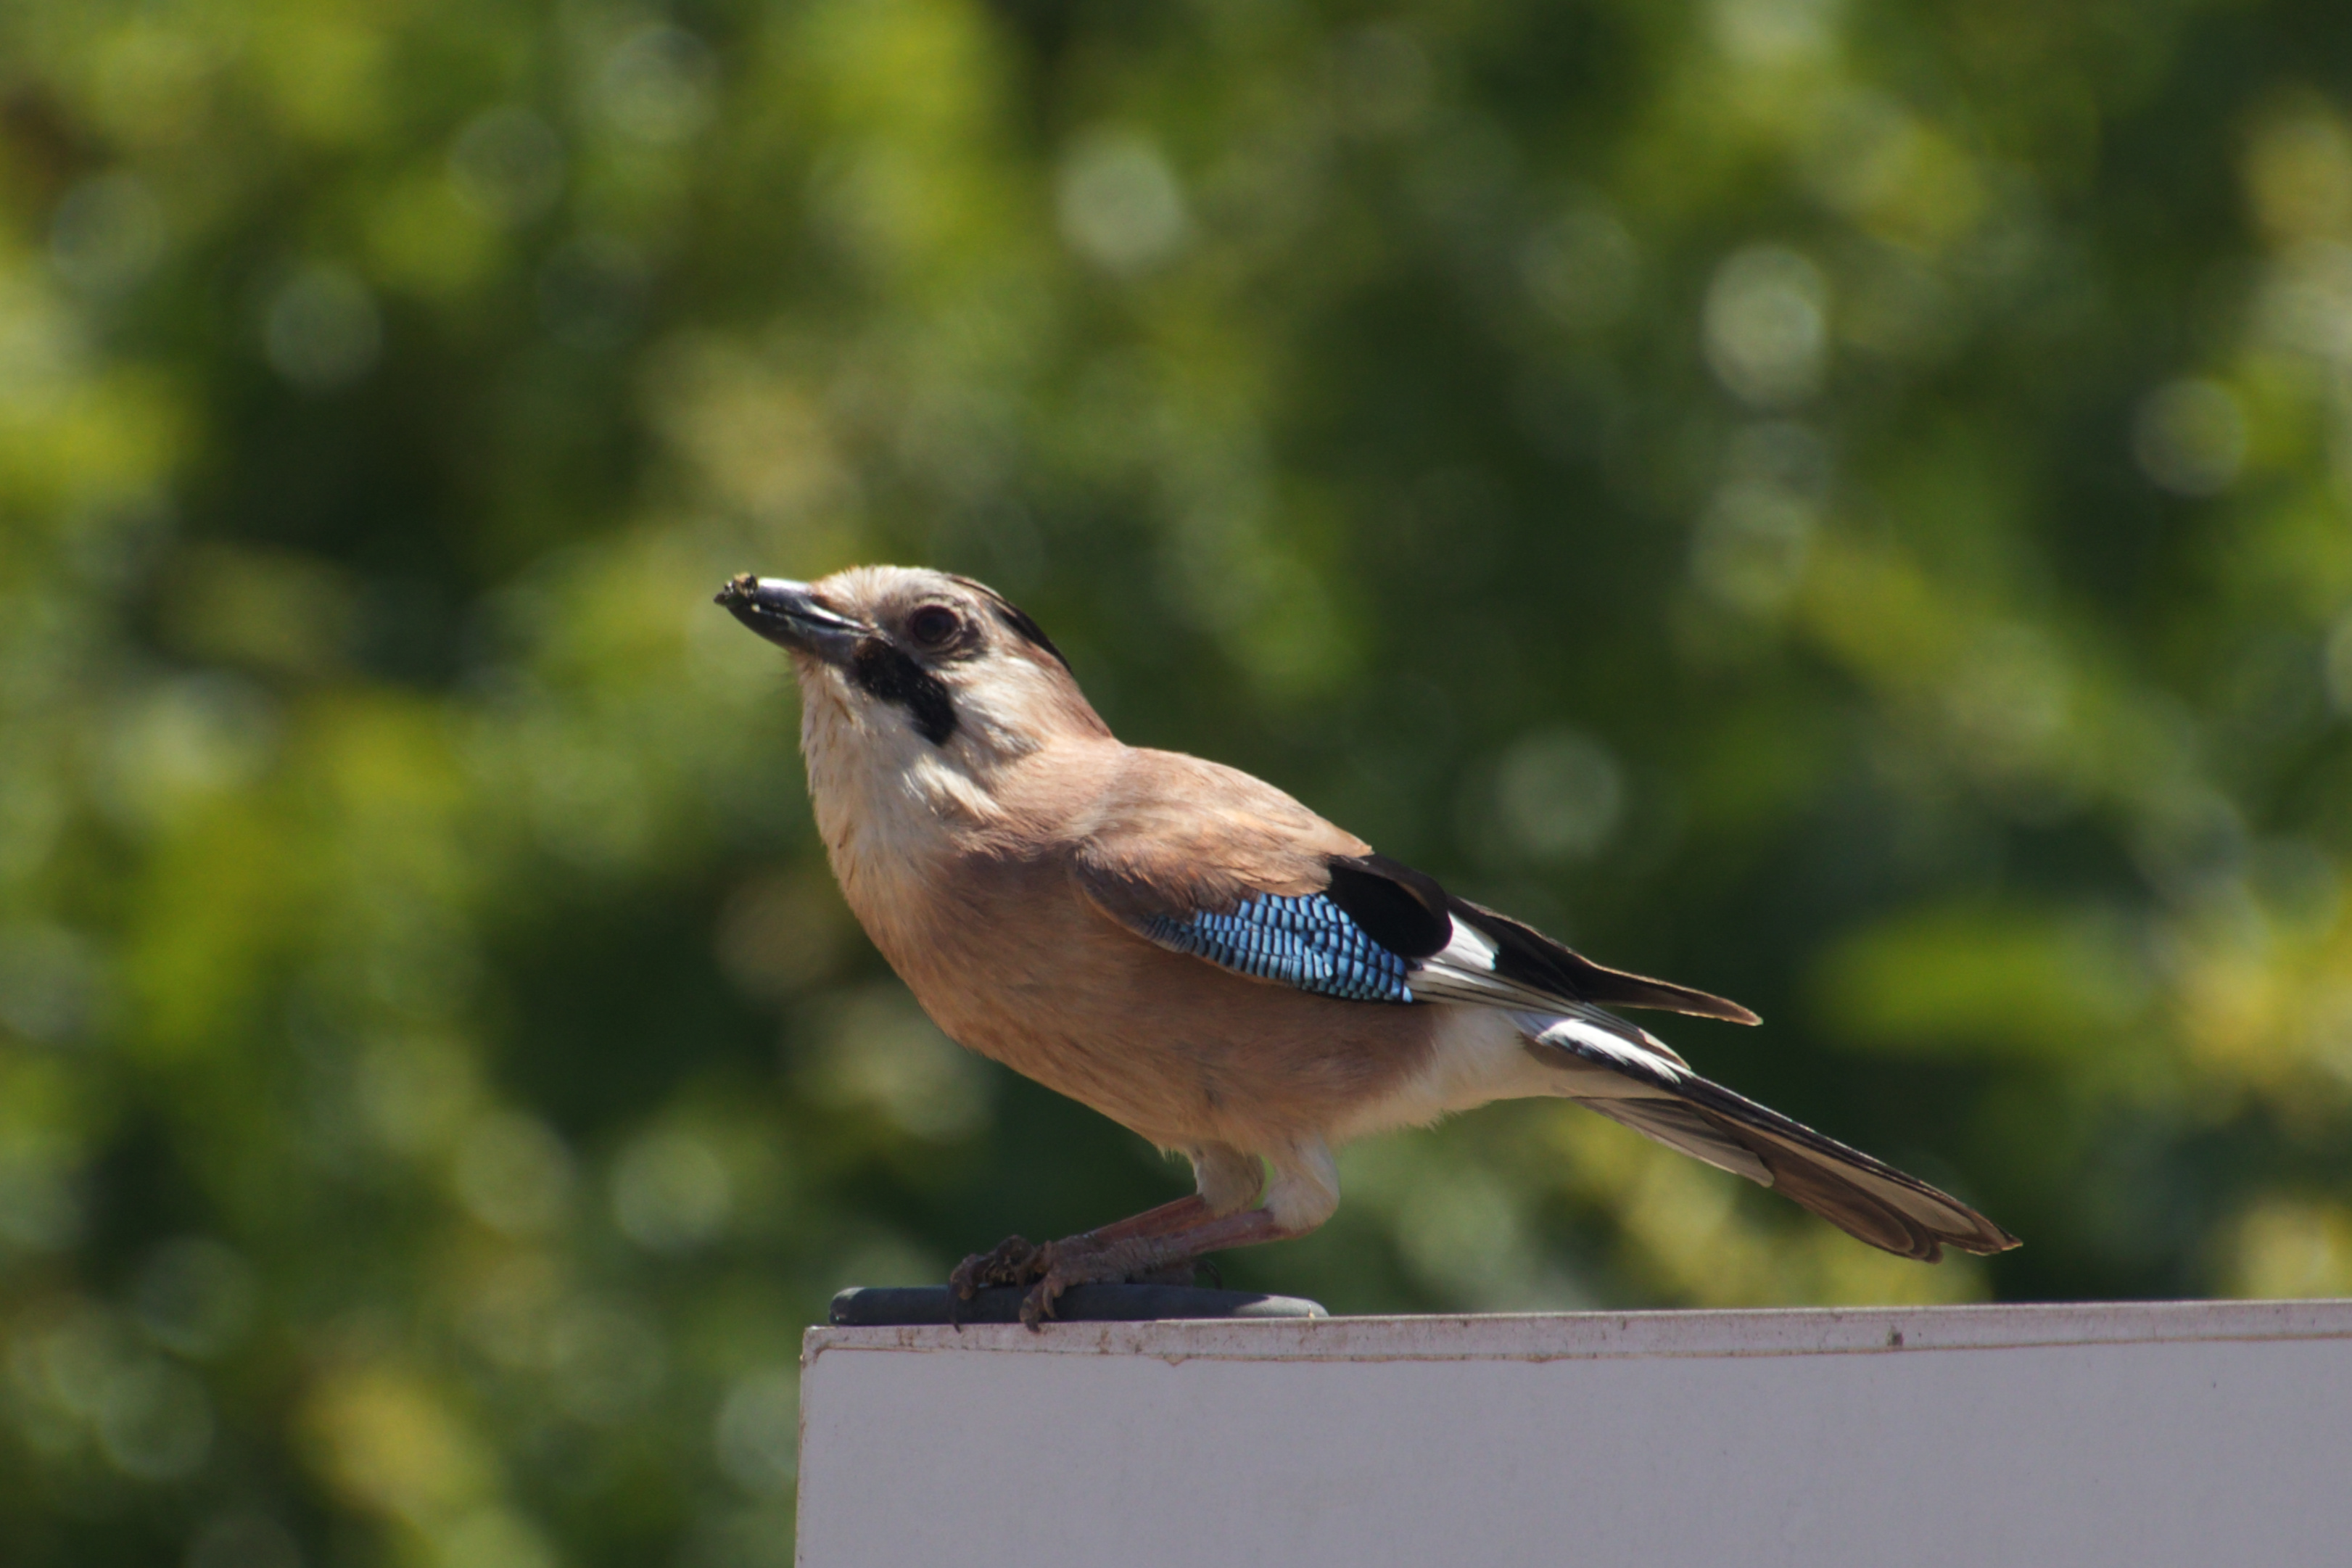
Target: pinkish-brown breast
[1012,961]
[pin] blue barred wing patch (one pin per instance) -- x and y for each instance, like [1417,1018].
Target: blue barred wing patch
[1307,941]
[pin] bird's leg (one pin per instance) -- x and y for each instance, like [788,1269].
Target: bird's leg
[1015,1261]
[1167,1217]
[1154,1222]
[1092,1259]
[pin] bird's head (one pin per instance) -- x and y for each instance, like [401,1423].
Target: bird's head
[907,655]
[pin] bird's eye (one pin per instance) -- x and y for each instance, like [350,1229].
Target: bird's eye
[933,626]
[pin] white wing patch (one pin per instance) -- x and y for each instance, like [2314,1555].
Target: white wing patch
[1467,950]
[1464,970]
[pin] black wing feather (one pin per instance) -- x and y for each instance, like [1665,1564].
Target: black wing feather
[1398,907]
[1533,958]
[1410,914]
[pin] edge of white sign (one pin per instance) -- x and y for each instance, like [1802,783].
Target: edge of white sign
[1549,1336]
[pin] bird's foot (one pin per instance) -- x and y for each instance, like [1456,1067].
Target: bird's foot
[1011,1261]
[1082,1260]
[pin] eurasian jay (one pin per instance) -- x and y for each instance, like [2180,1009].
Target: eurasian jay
[1203,960]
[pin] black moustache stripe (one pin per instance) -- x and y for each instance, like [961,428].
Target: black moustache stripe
[886,672]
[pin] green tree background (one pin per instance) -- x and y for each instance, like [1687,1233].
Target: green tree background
[1846,505]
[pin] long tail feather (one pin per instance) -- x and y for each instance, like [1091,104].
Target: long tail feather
[1865,1197]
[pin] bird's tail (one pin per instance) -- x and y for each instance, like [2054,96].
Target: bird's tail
[1864,1197]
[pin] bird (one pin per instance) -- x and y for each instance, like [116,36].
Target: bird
[1198,956]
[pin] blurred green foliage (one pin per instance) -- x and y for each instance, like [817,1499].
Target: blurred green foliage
[1846,505]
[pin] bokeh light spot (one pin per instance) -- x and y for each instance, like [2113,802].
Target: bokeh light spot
[1766,320]
[2190,437]
[508,164]
[1120,203]
[320,329]
[670,1192]
[757,1434]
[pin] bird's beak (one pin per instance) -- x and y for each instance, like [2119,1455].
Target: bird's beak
[785,613]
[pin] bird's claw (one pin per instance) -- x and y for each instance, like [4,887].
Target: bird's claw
[1012,1261]
[1056,1266]
[1083,1261]
[1038,1305]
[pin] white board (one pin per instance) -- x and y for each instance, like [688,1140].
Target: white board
[2186,1433]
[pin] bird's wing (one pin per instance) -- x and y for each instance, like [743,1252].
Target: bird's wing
[1209,861]
[1864,1197]
[1202,859]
